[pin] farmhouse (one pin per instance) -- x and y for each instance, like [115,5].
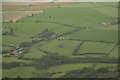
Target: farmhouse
[61,38]
[107,23]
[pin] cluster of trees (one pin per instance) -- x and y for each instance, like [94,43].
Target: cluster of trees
[54,59]
[6,65]
[77,48]
[51,60]
[91,73]
[36,41]
[96,60]
[47,35]
[12,64]
[10,32]
[7,53]
[26,44]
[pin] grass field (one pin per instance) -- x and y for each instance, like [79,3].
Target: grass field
[13,40]
[96,35]
[62,47]
[6,48]
[63,29]
[67,67]
[24,72]
[115,53]
[111,11]
[74,19]
[111,66]
[110,28]
[14,59]
[89,56]
[82,22]
[95,47]
[90,5]
[34,53]
[30,28]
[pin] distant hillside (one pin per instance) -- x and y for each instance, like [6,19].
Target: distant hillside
[62,0]
[19,0]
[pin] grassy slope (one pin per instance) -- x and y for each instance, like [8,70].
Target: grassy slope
[66,49]
[14,59]
[30,28]
[65,16]
[67,67]
[73,18]
[115,53]
[96,35]
[63,29]
[94,47]
[13,40]
[24,72]
[34,53]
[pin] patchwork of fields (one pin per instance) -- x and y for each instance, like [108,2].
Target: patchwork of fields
[79,31]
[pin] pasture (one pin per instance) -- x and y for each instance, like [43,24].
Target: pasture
[14,59]
[14,40]
[34,53]
[111,11]
[111,66]
[29,28]
[24,72]
[95,35]
[62,47]
[109,28]
[6,48]
[68,67]
[95,47]
[74,19]
[79,23]
[115,53]
[62,29]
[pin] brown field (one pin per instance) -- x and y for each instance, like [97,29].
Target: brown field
[16,15]
[19,3]
[8,6]
[13,6]
[13,11]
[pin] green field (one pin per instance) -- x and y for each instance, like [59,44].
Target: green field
[95,47]
[63,29]
[95,35]
[81,25]
[24,72]
[111,66]
[68,16]
[34,53]
[108,11]
[115,53]
[6,48]
[14,40]
[109,28]
[62,47]
[30,28]
[67,67]
[14,59]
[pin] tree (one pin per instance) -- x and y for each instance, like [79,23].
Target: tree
[51,60]
[26,44]
[11,31]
